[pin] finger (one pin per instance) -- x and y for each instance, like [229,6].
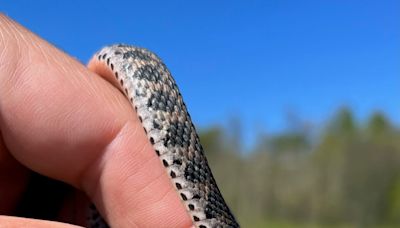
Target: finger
[11,222]
[61,120]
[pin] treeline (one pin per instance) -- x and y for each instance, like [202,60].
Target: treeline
[344,175]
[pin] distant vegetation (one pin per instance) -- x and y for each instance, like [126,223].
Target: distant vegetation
[345,175]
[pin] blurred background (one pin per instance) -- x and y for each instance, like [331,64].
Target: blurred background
[296,101]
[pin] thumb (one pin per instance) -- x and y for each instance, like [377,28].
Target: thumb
[63,121]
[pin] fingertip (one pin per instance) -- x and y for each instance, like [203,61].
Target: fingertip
[16,222]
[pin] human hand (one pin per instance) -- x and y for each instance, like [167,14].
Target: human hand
[61,120]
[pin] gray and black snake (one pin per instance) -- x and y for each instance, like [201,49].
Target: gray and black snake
[153,93]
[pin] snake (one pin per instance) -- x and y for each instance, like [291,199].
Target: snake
[154,95]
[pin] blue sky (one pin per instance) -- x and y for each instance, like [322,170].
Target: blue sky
[257,60]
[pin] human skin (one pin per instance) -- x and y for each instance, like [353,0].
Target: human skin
[61,120]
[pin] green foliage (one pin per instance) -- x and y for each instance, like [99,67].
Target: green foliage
[393,212]
[348,177]
[289,142]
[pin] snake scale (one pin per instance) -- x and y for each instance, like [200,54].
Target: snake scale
[153,93]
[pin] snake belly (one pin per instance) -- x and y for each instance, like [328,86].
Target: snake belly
[153,93]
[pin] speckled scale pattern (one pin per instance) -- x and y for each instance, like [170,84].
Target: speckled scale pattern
[152,91]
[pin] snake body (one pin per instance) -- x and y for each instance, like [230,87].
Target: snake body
[153,93]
